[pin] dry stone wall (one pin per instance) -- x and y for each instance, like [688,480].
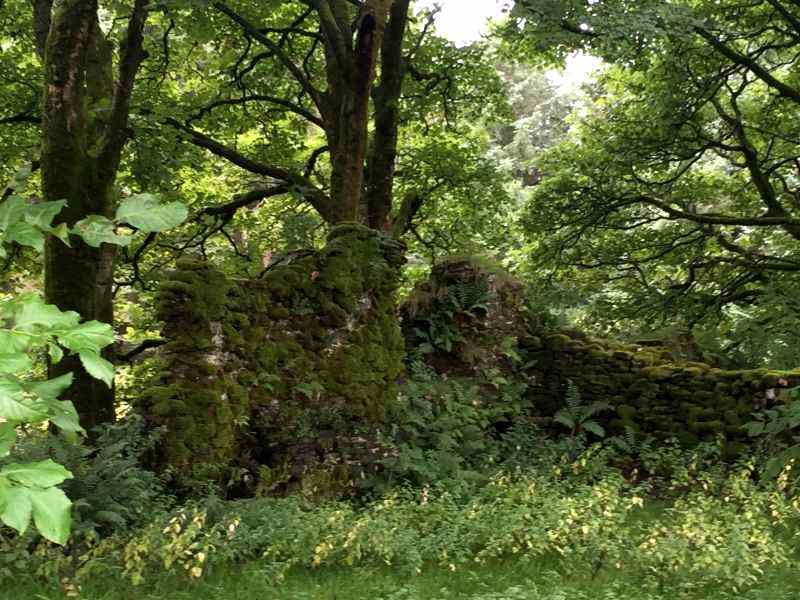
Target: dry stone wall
[286,378]
[649,390]
[272,376]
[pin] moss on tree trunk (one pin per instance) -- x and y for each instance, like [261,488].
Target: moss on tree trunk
[83,132]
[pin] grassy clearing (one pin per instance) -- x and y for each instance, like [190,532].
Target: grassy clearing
[509,580]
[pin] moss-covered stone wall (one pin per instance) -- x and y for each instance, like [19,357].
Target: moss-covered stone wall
[648,389]
[272,376]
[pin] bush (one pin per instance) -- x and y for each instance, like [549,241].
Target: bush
[111,492]
[110,489]
[441,429]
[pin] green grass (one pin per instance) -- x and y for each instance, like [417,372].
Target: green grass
[572,535]
[508,580]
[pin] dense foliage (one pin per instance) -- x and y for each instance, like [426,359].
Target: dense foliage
[302,289]
[673,200]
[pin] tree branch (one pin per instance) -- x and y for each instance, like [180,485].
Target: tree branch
[758,260]
[23,117]
[311,164]
[788,16]
[714,219]
[387,113]
[229,154]
[42,12]
[564,24]
[137,350]
[291,106]
[132,55]
[335,37]
[316,197]
[744,61]
[242,200]
[254,32]
[760,179]
[409,208]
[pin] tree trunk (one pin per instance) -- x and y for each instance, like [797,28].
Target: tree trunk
[382,159]
[80,156]
[350,74]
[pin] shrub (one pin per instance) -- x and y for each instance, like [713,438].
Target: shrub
[111,492]
[723,532]
[441,429]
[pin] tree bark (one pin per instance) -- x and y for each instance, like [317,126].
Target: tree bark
[381,163]
[80,156]
[351,74]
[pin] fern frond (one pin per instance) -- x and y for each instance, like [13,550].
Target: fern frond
[595,428]
[573,397]
[565,418]
[595,408]
[630,437]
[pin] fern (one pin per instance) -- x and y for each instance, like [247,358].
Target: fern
[468,296]
[577,416]
[574,401]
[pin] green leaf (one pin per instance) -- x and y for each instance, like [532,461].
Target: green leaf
[15,362]
[41,215]
[96,230]
[21,176]
[52,388]
[754,428]
[11,211]
[40,474]
[55,352]
[64,416]
[62,233]
[35,313]
[565,419]
[146,213]
[26,234]
[596,407]
[594,427]
[8,436]
[91,336]
[51,513]
[17,508]
[98,367]
[14,406]
[12,342]
[777,463]
[110,517]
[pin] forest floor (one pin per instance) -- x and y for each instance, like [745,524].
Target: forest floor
[507,580]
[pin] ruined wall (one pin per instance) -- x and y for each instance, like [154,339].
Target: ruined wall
[287,378]
[649,389]
[270,376]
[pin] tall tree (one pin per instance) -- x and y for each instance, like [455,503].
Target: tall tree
[351,40]
[338,74]
[84,130]
[680,186]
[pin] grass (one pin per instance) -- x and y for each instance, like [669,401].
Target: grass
[507,580]
[573,535]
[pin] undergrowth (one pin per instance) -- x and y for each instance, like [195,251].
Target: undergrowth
[707,529]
